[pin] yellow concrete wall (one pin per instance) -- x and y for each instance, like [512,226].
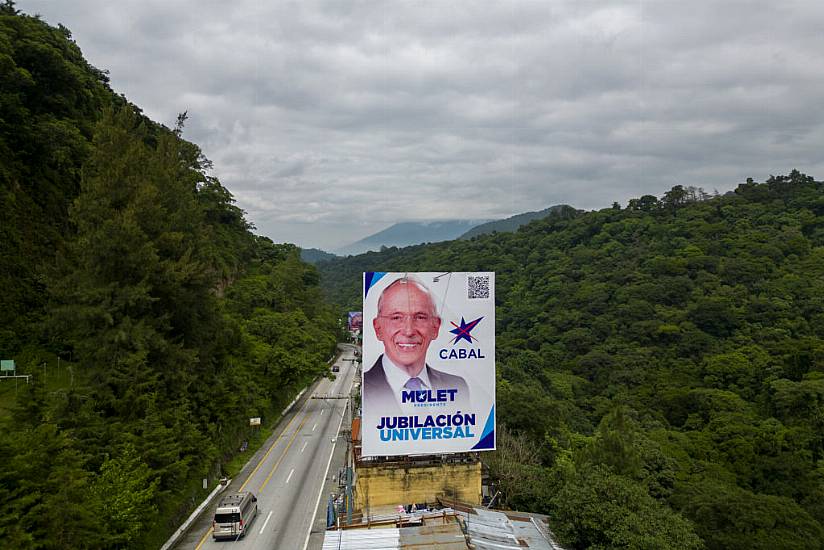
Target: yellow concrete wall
[390,485]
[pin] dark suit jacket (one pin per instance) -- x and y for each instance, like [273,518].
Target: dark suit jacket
[379,400]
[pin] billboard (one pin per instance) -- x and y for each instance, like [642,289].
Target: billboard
[355,321]
[428,382]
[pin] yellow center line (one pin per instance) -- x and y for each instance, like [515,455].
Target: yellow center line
[260,463]
[275,467]
[262,460]
[205,536]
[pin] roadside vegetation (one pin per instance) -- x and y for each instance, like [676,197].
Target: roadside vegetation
[660,365]
[153,321]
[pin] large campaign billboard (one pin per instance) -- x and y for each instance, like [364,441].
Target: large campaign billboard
[428,382]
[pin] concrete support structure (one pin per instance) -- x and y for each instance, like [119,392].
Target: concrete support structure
[389,484]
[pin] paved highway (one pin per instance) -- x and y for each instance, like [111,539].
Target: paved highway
[289,477]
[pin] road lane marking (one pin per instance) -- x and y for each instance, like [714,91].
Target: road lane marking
[315,426]
[322,411]
[323,481]
[290,476]
[305,443]
[205,536]
[262,460]
[265,522]
[260,463]
[265,456]
[286,450]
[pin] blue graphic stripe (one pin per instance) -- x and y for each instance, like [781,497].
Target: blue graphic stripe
[487,440]
[370,279]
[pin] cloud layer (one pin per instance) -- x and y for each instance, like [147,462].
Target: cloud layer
[331,120]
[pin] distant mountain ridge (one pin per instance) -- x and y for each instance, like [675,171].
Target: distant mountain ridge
[411,233]
[514,222]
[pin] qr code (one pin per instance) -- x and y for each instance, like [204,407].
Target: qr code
[478,287]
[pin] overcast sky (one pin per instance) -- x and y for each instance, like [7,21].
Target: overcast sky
[329,121]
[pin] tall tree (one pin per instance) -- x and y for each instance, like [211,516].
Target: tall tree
[124,490]
[132,292]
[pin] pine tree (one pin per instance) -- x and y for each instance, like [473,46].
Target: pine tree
[133,294]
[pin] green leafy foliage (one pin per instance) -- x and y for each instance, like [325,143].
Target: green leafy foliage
[153,322]
[595,508]
[665,359]
[50,99]
[124,490]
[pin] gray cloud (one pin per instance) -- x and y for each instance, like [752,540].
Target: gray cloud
[331,120]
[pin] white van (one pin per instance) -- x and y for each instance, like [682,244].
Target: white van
[233,515]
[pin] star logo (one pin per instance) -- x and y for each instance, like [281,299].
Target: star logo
[462,332]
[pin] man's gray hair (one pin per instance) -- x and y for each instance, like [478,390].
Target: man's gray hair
[406,280]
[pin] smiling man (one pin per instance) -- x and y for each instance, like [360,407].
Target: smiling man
[406,323]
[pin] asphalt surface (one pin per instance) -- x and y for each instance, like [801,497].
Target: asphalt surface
[292,474]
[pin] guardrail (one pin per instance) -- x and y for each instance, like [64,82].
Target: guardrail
[199,510]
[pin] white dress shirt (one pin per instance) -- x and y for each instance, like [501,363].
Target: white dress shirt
[397,377]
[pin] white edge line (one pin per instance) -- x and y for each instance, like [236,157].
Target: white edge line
[265,523]
[323,485]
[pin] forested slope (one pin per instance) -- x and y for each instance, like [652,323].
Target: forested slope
[660,366]
[153,321]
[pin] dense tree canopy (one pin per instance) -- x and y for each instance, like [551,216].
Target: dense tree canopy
[125,257]
[665,360]
[50,100]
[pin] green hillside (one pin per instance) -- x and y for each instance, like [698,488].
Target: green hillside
[660,366]
[50,101]
[152,321]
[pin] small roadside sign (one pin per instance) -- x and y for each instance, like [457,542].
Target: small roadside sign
[7,365]
[254,421]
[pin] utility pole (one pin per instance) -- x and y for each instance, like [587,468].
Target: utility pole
[350,463]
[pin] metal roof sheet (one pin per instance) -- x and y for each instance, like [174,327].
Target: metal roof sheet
[494,530]
[362,539]
[437,537]
[486,529]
